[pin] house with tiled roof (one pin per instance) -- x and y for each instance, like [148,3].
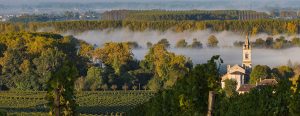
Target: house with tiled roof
[245,88]
[270,82]
[265,82]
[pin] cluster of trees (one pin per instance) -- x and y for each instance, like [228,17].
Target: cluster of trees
[27,59]
[159,70]
[211,43]
[263,100]
[189,96]
[278,43]
[53,63]
[30,61]
[43,61]
[272,27]
[158,15]
[261,72]
[183,44]
[280,99]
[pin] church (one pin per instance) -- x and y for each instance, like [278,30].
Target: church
[240,73]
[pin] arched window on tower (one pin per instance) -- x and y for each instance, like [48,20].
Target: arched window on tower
[247,56]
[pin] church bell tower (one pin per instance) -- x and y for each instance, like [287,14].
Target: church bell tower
[247,63]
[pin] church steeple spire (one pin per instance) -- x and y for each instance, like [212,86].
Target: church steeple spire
[247,63]
[247,43]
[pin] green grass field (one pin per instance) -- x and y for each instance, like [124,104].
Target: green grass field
[27,103]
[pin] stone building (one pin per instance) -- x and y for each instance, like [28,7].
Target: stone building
[240,73]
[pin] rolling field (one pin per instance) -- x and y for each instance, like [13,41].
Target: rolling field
[89,103]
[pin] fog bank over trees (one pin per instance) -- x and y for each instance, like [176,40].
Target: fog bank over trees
[230,54]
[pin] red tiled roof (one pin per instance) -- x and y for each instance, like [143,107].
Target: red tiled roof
[246,87]
[268,82]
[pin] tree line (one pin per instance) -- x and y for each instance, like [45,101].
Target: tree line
[269,26]
[271,43]
[159,15]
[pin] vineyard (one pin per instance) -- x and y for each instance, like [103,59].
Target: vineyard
[89,103]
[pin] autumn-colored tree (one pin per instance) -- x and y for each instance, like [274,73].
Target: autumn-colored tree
[181,44]
[165,65]
[39,44]
[196,44]
[254,31]
[296,41]
[212,41]
[133,45]
[164,42]
[259,43]
[114,54]
[85,49]
[292,28]
[294,106]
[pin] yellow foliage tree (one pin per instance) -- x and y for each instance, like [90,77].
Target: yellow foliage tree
[254,31]
[38,44]
[166,65]
[291,28]
[114,54]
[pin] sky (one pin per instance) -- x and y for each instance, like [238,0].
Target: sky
[172,4]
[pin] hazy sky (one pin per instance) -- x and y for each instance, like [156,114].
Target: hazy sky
[42,6]
[235,3]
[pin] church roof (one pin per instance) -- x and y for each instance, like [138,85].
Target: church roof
[246,87]
[236,69]
[237,72]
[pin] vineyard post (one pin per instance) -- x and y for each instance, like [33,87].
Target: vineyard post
[139,86]
[57,102]
[211,99]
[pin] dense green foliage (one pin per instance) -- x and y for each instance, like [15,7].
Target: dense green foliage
[260,72]
[188,96]
[230,88]
[166,67]
[263,100]
[28,60]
